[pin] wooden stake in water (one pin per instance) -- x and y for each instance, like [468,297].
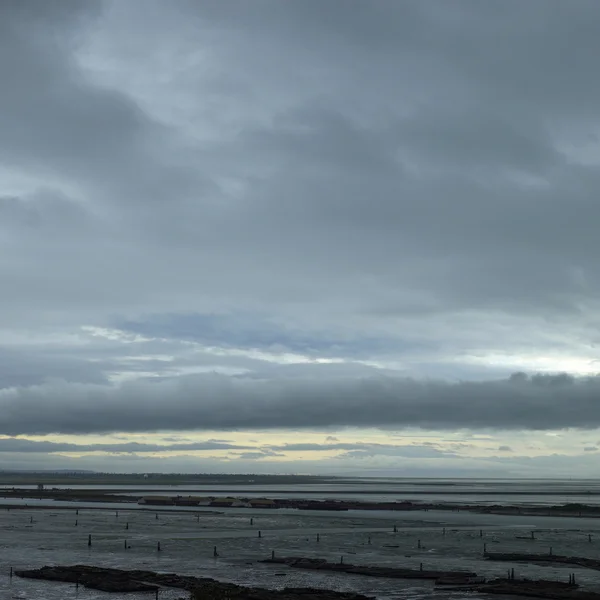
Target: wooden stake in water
[77,512]
[90,539]
[533,535]
[156,517]
[127,525]
[484,548]
[11,572]
[76,522]
[589,537]
[481,533]
[259,534]
[158,547]
[215,553]
[272,554]
[341,560]
[420,566]
[395,529]
[419,544]
[444,531]
[251,521]
[125,544]
[318,538]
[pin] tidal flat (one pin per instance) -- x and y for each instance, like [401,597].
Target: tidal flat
[128,538]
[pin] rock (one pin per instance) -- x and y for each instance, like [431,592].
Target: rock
[119,580]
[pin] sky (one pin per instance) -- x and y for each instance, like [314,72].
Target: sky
[348,237]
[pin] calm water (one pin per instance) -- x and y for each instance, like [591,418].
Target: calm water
[483,491]
[187,540]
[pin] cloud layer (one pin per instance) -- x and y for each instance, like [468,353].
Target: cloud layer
[298,216]
[221,402]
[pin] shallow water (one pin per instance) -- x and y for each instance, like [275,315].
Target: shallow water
[187,543]
[484,491]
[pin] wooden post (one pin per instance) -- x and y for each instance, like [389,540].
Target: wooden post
[369,541]
[444,531]
[421,567]
[512,574]
[484,548]
[76,522]
[533,535]
[158,547]
[31,519]
[395,529]
[341,560]
[259,533]
[156,517]
[77,512]
[589,537]
[127,525]
[11,572]
[419,544]
[215,553]
[481,533]
[156,593]
[125,544]
[251,521]
[318,538]
[90,539]
[272,554]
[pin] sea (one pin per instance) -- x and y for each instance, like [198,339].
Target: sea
[126,536]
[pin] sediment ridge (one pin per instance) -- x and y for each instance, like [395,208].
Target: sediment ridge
[576,561]
[111,496]
[119,581]
[463,580]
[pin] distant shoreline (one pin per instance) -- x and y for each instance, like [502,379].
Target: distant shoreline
[272,503]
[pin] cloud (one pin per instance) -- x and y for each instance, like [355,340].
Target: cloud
[220,402]
[504,449]
[12,444]
[590,449]
[232,217]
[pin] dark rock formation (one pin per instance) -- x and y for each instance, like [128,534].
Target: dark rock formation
[319,564]
[579,561]
[118,580]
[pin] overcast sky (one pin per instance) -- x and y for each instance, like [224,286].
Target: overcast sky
[326,236]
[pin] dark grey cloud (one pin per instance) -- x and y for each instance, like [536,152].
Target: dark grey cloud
[504,449]
[18,445]
[363,449]
[220,402]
